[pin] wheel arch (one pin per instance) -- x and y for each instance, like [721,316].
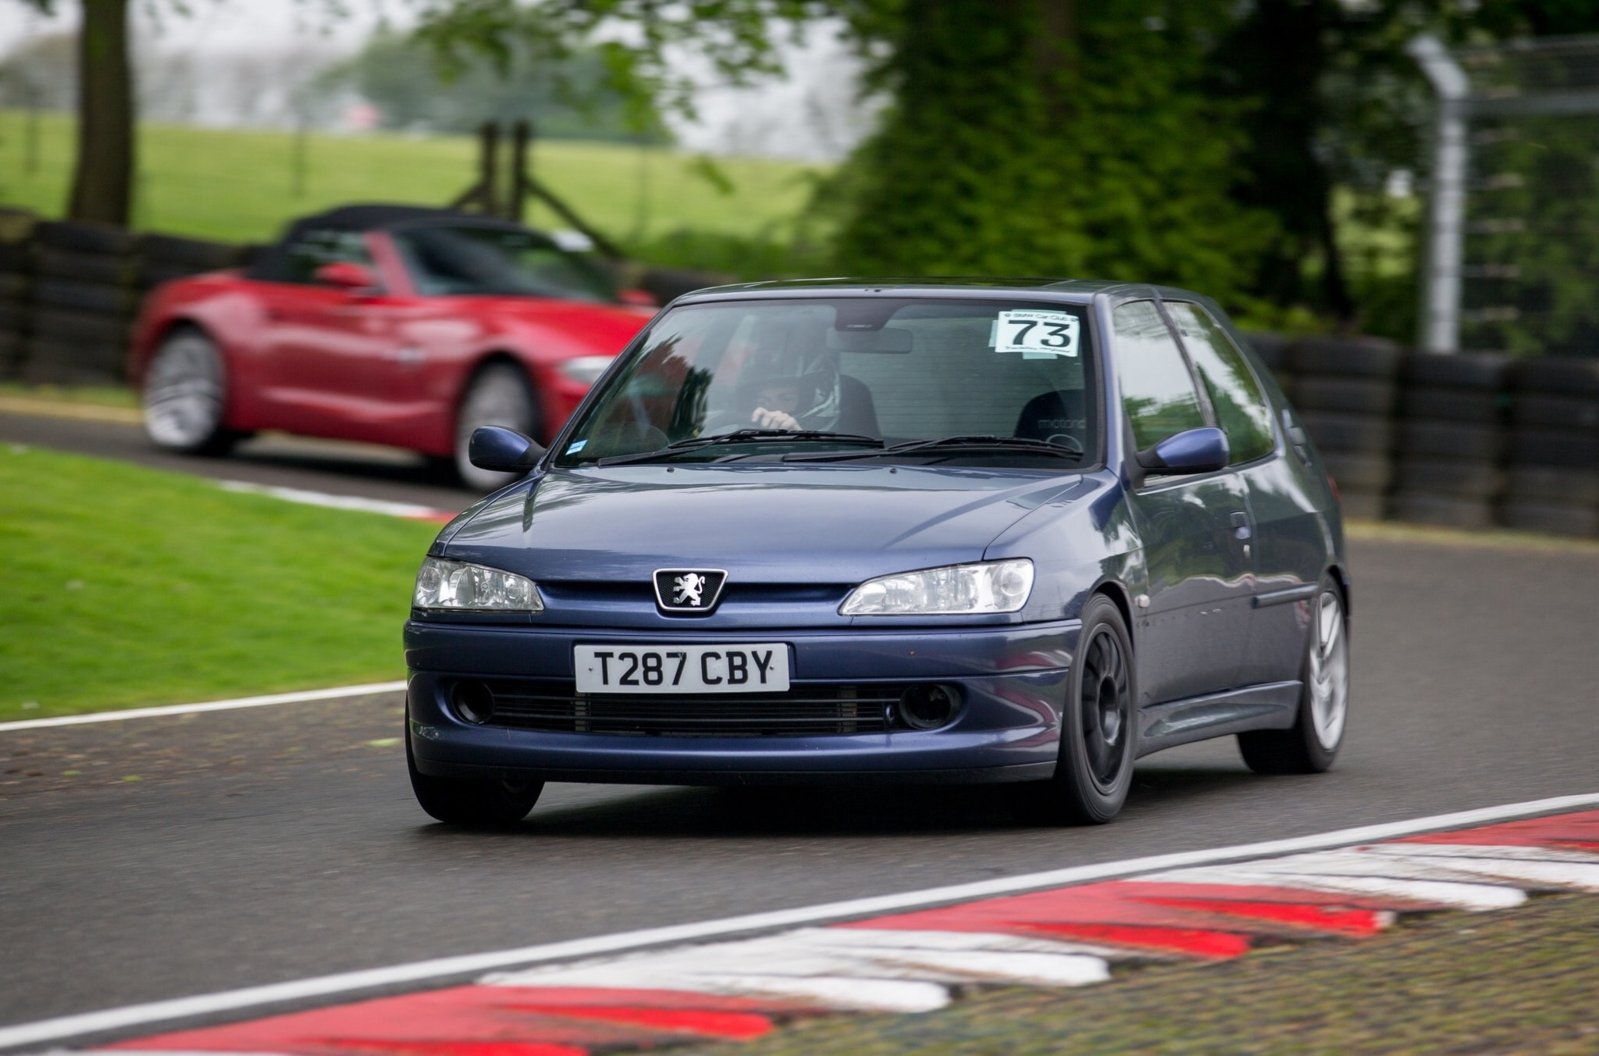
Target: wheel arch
[160,332]
[1117,593]
[1341,577]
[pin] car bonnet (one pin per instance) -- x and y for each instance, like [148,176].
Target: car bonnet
[774,524]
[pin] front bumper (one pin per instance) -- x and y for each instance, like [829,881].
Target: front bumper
[1012,681]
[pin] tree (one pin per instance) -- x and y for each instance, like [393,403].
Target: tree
[102,178]
[568,99]
[636,41]
[1051,137]
[1024,136]
[1333,107]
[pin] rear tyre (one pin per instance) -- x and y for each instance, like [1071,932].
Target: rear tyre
[498,395]
[1098,728]
[1311,744]
[470,803]
[185,393]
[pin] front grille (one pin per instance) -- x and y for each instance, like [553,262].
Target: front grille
[813,709]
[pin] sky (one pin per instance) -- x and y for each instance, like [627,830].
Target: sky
[212,22]
[810,114]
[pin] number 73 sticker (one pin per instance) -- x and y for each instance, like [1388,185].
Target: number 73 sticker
[1036,332]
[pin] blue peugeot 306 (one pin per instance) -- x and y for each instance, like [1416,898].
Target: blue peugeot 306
[978,531]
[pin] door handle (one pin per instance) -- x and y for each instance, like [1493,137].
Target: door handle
[1241,529]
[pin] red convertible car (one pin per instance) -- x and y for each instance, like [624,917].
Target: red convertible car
[390,324]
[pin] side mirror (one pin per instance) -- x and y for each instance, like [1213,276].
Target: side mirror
[502,450]
[1192,451]
[348,276]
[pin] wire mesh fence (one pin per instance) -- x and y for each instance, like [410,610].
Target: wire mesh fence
[1529,269]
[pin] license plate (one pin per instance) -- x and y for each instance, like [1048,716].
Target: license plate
[746,668]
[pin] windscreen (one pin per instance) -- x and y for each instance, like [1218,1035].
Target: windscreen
[496,261]
[897,370]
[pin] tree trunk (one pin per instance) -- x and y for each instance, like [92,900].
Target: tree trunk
[1055,64]
[102,184]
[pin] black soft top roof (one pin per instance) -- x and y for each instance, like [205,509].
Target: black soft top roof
[271,264]
[367,216]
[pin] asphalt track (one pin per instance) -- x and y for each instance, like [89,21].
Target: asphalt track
[159,858]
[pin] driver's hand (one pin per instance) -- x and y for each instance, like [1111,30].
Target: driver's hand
[766,419]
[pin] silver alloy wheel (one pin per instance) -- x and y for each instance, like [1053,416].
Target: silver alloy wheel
[498,396]
[1329,671]
[183,393]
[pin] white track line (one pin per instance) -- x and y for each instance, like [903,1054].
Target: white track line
[475,964]
[193,709]
[305,497]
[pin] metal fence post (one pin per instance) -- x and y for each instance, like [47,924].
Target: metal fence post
[1446,216]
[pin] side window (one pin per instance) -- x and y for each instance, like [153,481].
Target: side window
[1157,390]
[1241,408]
[320,246]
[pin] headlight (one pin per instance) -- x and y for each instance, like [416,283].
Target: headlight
[456,585]
[586,370]
[995,586]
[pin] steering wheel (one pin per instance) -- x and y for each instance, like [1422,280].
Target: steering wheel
[1068,441]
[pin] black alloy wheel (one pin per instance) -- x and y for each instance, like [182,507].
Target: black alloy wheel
[1098,728]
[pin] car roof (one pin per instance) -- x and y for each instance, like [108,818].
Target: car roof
[369,216]
[1078,291]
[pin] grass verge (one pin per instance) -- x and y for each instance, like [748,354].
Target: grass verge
[128,587]
[115,396]
[242,185]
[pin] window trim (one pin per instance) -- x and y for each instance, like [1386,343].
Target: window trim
[1202,398]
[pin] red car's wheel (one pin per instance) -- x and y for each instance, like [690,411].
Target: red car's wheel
[498,395]
[185,391]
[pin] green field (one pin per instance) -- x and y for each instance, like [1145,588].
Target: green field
[127,586]
[240,186]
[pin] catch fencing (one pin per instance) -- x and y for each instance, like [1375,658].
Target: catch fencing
[1513,239]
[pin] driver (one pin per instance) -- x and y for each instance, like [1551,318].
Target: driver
[789,379]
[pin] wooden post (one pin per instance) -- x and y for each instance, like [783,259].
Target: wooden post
[483,195]
[488,160]
[521,147]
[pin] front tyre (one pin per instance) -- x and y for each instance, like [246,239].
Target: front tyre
[1311,744]
[185,394]
[468,803]
[498,394]
[1098,728]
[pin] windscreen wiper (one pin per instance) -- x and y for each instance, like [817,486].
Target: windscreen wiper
[951,445]
[737,436]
